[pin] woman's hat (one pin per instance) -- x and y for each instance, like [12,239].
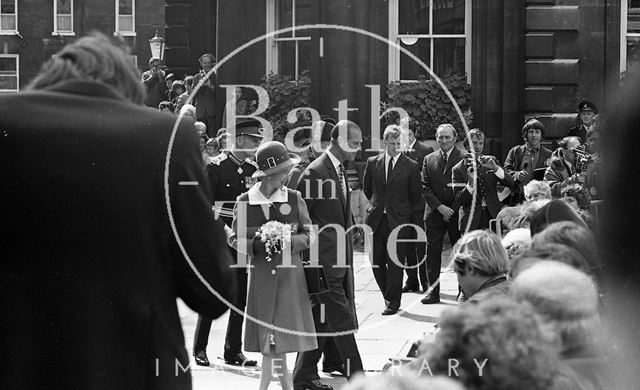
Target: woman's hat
[272,157]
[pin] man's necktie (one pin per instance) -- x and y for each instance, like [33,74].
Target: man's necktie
[341,176]
[482,187]
[444,158]
[390,169]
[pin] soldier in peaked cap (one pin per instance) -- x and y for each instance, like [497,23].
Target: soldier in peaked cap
[229,175]
[586,112]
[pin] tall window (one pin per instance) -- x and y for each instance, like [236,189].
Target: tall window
[438,32]
[126,17]
[63,17]
[8,16]
[288,53]
[9,70]
[630,44]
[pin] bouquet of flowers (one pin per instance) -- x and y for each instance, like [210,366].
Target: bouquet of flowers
[275,236]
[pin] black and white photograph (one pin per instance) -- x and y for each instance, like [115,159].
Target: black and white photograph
[319,194]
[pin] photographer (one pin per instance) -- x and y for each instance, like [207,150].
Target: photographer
[153,80]
[562,169]
[479,179]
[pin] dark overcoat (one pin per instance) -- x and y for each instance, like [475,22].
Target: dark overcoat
[95,233]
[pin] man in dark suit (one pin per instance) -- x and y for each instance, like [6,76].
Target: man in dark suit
[324,187]
[94,252]
[392,185]
[437,191]
[523,161]
[479,183]
[415,255]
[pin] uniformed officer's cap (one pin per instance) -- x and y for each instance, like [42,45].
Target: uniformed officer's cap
[250,127]
[586,105]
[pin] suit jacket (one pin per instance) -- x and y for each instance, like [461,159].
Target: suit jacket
[512,165]
[321,191]
[464,198]
[92,247]
[418,152]
[437,178]
[400,194]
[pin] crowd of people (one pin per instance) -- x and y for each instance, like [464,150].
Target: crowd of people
[501,219]
[529,272]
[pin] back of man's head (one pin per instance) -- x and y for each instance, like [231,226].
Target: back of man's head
[93,58]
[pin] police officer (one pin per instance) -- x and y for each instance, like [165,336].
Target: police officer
[229,175]
[586,113]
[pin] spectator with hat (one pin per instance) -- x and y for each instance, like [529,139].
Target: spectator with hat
[153,80]
[278,293]
[586,113]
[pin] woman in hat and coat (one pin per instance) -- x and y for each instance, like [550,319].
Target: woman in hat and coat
[278,306]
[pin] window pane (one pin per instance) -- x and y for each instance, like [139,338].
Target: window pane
[448,55]
[8,6]
[286,58]
[285,14]
[633,55]
[7,22]
[448,16]
[409,69]
[303,14]
[125,7]
[64,6]
[413,17]
[125,23]
[64,23]
[304,55]
[8,65]
[8,82]
[633,16]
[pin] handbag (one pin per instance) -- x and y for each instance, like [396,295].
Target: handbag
[317,282]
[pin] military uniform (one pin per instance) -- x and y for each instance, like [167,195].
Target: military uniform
[228,177]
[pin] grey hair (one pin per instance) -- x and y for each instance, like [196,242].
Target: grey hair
[93,58]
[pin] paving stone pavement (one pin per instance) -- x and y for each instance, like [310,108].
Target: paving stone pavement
[379,337]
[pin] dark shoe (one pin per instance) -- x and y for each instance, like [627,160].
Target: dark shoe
[430,299]
[240,360]
[332,369]
[313,385]
[389,311]
[409,288]
[201,358]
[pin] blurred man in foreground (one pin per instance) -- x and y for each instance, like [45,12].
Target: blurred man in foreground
[100,234]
